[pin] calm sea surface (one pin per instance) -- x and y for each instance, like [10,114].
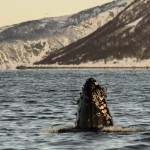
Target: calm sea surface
[31,100]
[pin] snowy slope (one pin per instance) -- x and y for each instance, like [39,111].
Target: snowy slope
[31,41]
[127,36]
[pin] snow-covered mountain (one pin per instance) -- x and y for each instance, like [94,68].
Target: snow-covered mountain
[127,36]
[31,41]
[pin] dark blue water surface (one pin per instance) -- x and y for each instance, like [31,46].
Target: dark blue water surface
[32,100]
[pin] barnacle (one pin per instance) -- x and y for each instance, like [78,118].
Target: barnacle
[108,122]
[94,96]
[98,114]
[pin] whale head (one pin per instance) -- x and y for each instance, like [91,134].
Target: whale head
[92,110]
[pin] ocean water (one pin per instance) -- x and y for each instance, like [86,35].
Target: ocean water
[31,101]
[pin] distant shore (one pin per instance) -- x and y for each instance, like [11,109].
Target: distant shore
[81,67]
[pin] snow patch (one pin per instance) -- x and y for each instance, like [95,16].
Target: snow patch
[145,1]
[135,23]
[132,25]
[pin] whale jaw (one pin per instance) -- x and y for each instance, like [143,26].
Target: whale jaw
[92,110]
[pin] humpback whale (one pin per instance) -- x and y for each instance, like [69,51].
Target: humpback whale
[92,110]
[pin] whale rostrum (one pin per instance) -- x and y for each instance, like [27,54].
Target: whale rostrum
[92,110]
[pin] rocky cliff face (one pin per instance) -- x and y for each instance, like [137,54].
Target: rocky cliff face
[126,36]
[31,41]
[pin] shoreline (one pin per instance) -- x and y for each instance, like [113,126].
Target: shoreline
[126,63]
[81,67]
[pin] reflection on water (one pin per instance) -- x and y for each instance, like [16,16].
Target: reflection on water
[31,100]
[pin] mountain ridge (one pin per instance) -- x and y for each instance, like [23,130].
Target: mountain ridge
[30,41]
[126,36]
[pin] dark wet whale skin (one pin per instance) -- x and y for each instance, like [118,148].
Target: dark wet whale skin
[92,110]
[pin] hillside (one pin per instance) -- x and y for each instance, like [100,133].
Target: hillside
[125,37]
[30,41]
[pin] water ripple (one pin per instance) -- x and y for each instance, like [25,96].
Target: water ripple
[31,100]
